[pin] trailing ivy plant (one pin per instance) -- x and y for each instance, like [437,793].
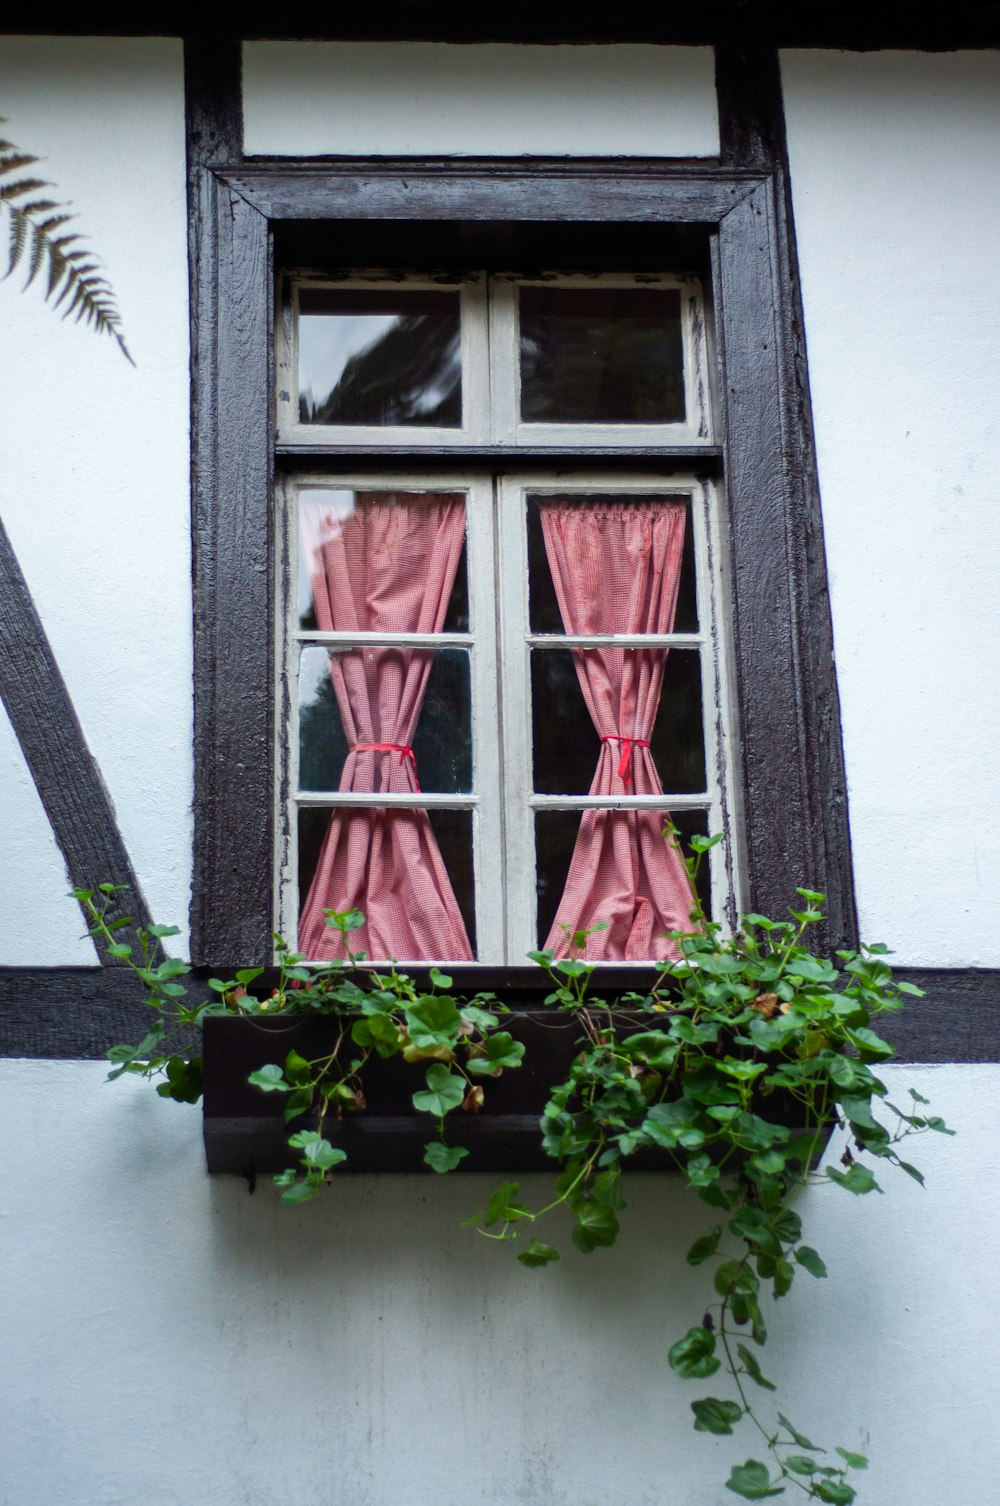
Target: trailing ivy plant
[735,1066]
[457,1044]
[40,241]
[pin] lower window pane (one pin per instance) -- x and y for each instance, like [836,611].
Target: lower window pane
[567,743]
[617,869]
[408,871]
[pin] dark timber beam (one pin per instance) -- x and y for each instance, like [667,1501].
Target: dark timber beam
[752,139]
[66,776]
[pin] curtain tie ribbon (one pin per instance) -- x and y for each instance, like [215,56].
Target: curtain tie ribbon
[628,743]
[403,749]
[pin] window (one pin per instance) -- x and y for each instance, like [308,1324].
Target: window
[501,681]
[749,468]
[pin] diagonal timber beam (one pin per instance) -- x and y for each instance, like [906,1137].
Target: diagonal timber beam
[65,772]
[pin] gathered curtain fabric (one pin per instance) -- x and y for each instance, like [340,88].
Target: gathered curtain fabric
[616,568]
[388,566]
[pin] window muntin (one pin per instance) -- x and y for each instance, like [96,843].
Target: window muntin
[507,825]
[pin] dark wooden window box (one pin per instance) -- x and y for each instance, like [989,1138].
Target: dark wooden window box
[245,1131]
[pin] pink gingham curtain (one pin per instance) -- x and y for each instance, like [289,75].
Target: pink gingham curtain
[616,568]
[387,567]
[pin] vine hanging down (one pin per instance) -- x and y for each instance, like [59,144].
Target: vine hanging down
[736,1066]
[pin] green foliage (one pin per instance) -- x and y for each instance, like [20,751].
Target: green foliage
[453,1047]
[39,240]
[734,1067]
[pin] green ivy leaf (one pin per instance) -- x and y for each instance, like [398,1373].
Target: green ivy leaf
[439,979]
[752,1481]
[572,967]
[784,1275]
[595,1224]
[735,1276]
[714,1416]
[301,1192]
[858,1179]
[853,1461]
[837,1492]
[501,1051]
[705,1247]
[871,1047]
[752,1368]
[537,1254]
[317,1152]
[911,1171]
[441,1158]
[297,1069]
[800,1438]
[654,1047]
[800,1464]
[432,1021]
[701,1170]
[378,1030]
[502,1205]
[810,1261]
[184,1080]
[693,1357]
[480,1018]
[445,1091]
[270,1078]
[299,1103]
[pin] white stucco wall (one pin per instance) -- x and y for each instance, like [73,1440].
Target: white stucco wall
[169,1338]
[318,98]
[94,485]
[896,186]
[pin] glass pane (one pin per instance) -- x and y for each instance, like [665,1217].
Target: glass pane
[543,603]
[379,356]
[566,743]
[601,355]
[452,832]
[371,689]
[382,561]
[556,835]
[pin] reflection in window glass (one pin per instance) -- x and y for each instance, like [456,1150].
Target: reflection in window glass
[601,355]
[566,745]
[377,358]
[381,561]
[366,680]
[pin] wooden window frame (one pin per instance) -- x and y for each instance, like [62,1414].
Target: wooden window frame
[792,826]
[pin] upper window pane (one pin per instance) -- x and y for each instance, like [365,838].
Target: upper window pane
[382,562]
[380,357]
[601,355]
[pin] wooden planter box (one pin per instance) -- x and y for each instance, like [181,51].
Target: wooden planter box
[245,1131]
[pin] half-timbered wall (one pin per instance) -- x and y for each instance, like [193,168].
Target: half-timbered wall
[170,1338]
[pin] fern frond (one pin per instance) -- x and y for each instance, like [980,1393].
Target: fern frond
[37,228]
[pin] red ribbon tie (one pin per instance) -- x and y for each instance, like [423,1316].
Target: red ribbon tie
[403,749]
[628,743]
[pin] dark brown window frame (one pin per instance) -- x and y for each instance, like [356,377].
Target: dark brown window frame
[792,812]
